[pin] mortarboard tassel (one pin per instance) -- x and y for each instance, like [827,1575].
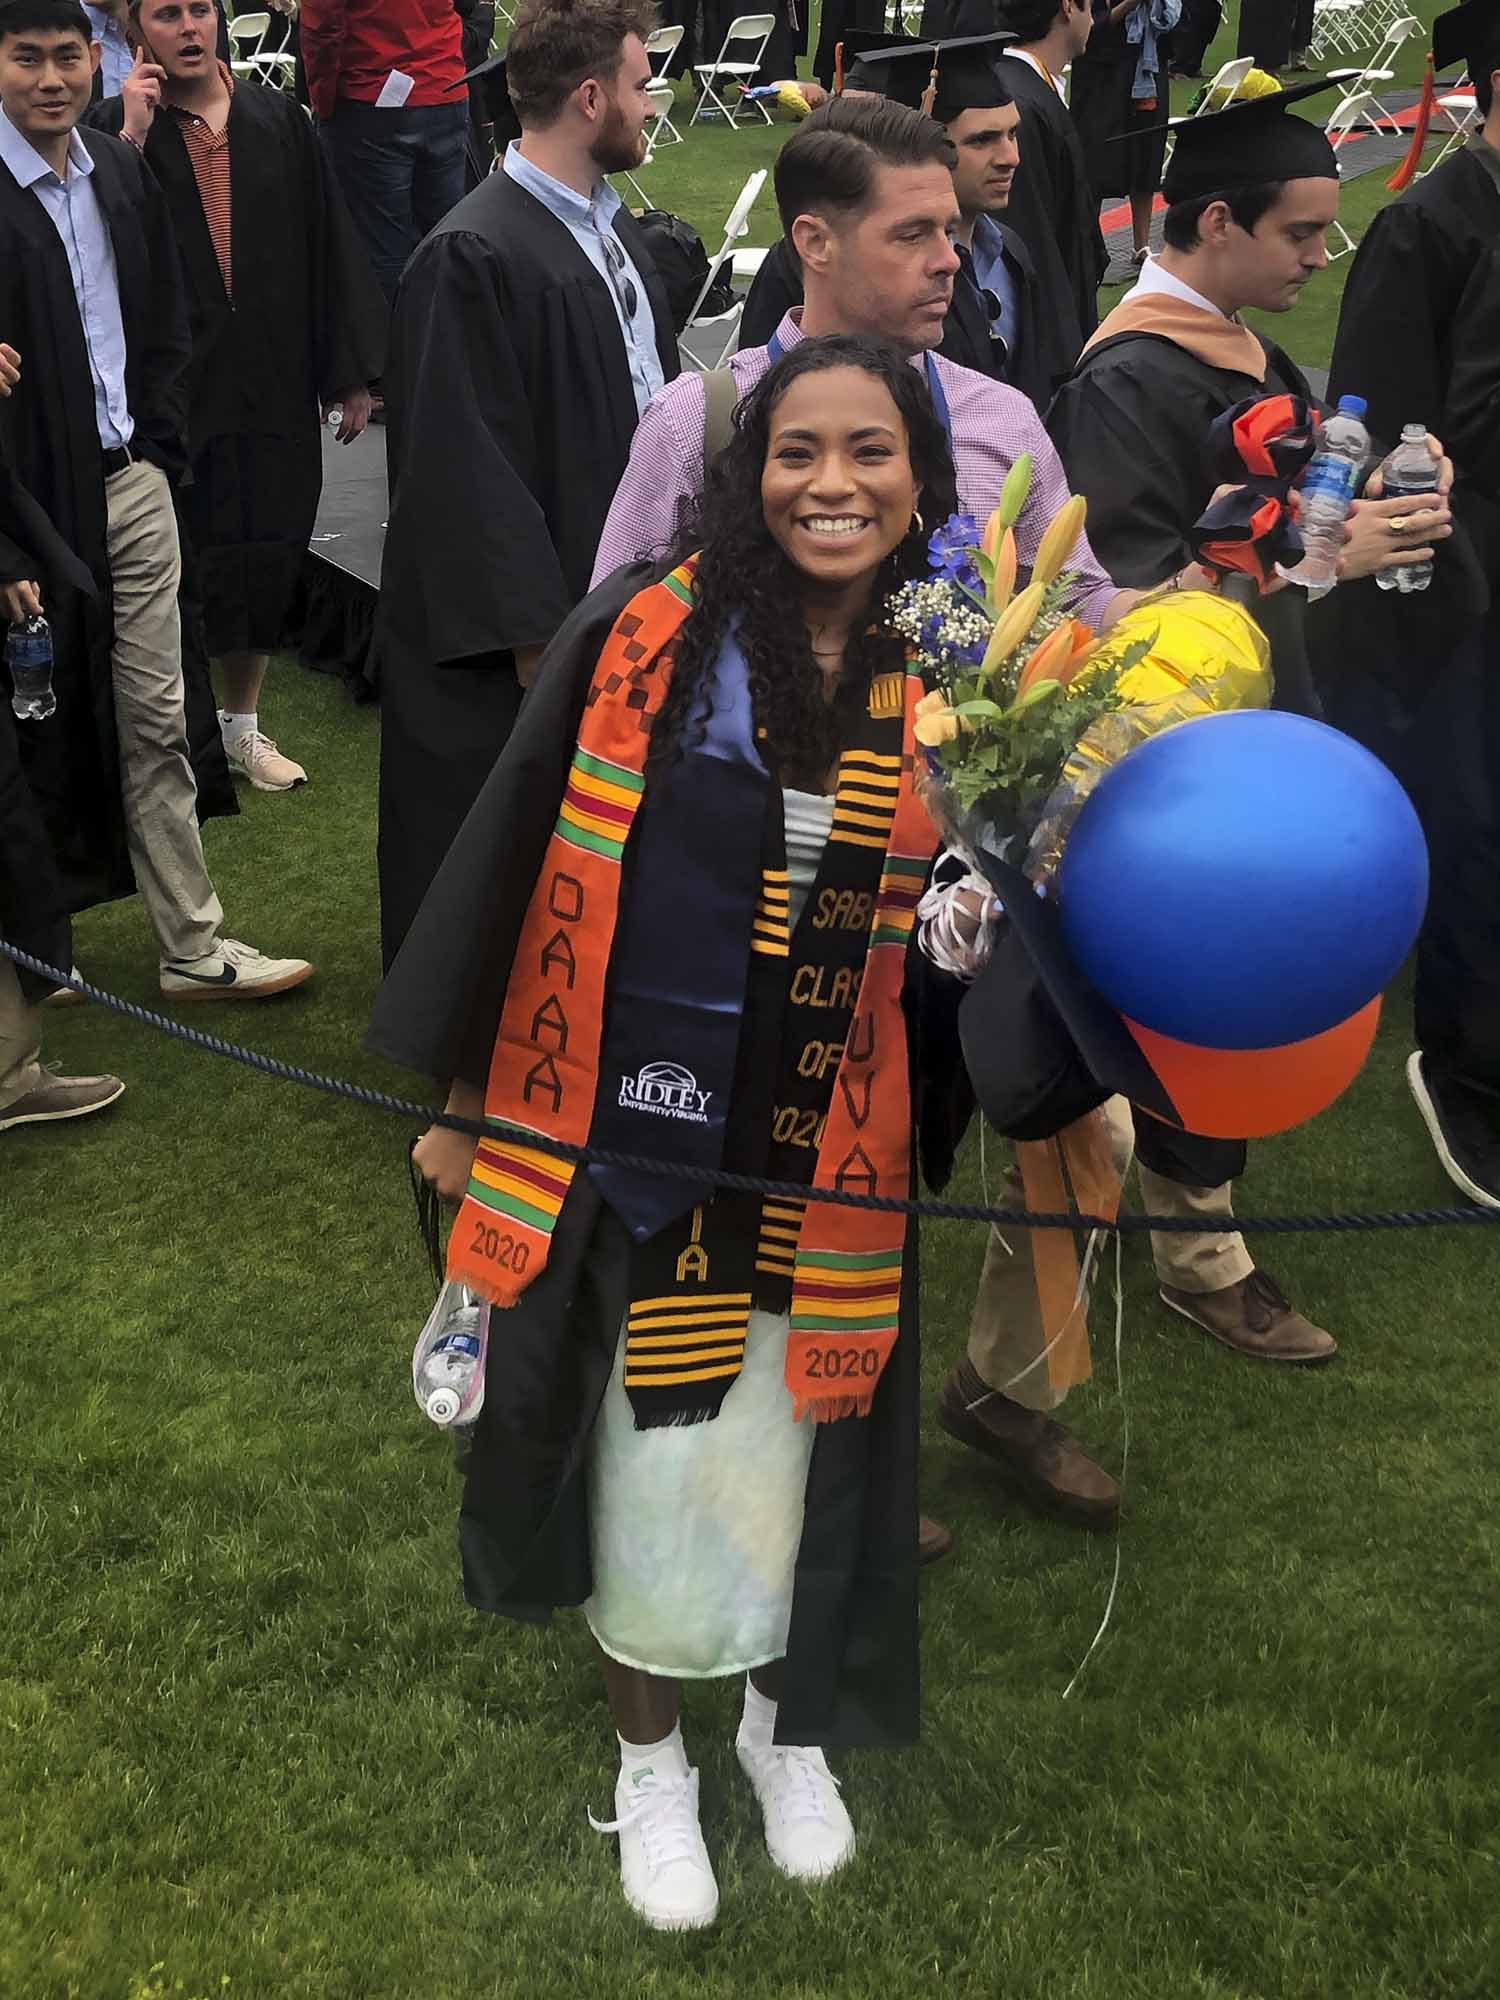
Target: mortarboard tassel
[1406,173]
[929,95]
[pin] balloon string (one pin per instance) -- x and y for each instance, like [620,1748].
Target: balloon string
[1114,1582]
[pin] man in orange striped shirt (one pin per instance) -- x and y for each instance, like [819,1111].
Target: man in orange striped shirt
[287,323]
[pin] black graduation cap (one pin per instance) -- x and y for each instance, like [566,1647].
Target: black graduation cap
[967,79]
[1249,142]
[860,43]
[490,76]
[1469,35]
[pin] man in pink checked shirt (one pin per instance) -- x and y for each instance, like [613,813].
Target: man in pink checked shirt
[866,197]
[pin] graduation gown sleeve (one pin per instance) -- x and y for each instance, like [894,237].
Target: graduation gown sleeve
[1132,441]
[351,310]
[1402,290]
[439,1007]
[470,565]
[1471,424]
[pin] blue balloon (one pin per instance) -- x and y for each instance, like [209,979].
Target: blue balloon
[1244,881]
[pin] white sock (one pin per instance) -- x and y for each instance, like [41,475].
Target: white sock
[235,726]
[667,1759]
[758,1722]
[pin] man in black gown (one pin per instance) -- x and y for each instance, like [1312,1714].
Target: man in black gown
[287,322]
[995,324]
[1418,329]
[530,331]
[1052,205]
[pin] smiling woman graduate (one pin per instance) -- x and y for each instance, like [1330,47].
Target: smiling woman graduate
[679,922]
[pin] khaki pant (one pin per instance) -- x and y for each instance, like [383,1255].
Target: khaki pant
[20,1039]
[1006,1342]
[160,794]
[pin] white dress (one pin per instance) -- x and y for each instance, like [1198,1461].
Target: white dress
[695,1527]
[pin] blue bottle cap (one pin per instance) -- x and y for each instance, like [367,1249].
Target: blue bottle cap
[1355,405]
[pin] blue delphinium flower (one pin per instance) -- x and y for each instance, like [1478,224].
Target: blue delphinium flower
[951,547]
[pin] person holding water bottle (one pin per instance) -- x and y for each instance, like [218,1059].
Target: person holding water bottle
[32,910]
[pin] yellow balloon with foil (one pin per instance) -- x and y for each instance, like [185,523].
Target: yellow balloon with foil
[1207,655]
[1204,645]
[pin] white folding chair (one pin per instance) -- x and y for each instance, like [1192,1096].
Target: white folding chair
[1222,85]
[663,132]
[1380,68]
[661,46]
[1462,114]
[246,34]
[745,28]
[735,227]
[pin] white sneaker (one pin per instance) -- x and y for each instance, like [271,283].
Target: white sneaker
[664,1867]
[66,996]
[231,971]
[808,1832]
[255,756]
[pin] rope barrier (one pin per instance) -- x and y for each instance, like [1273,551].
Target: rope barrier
[1125,1223]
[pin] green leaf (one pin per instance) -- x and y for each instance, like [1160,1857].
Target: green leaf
[990,710]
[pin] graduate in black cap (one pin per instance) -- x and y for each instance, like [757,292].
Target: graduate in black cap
[530,331]
[1418,337]
[993,324]
[1252,192]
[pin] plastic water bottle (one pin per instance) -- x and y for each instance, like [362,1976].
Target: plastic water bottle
[28,656]
[1327,490]
[1411,472]
[447,1363]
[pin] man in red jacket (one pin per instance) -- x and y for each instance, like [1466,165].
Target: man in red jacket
[384,77]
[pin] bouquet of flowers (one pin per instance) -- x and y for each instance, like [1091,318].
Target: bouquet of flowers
[1014,680]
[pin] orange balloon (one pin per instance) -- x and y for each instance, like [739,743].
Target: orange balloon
[1250,1093]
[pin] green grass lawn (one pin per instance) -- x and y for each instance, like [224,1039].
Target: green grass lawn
[252,1735]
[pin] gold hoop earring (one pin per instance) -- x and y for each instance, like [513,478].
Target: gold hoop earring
[918,525]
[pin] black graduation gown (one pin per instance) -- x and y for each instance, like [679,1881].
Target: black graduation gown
[851,1670]
[71,763]
[954,20]
[1418,337]
[1267,32]
[509,418]
[837,18]
[1103,108]
[1053,209]
[777,287]
[307,321]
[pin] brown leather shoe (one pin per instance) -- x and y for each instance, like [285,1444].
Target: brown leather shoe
[1255,1317]
[934,1541]
[1037,1458]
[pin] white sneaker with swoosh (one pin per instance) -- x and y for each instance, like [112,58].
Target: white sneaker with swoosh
[231,971]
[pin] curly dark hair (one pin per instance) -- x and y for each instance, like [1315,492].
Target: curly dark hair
[746,579]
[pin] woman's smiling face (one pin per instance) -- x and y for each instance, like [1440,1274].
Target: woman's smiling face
[837,486]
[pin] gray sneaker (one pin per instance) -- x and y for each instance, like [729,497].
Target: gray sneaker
[231,971]
[58,1097]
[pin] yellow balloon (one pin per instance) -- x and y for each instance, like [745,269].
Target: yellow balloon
[1203,644]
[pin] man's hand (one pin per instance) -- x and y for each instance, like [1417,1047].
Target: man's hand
[140,94]
[21,600]
[1375,484]
[355,407]
[1383,534]
[527,659]
[10,368]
